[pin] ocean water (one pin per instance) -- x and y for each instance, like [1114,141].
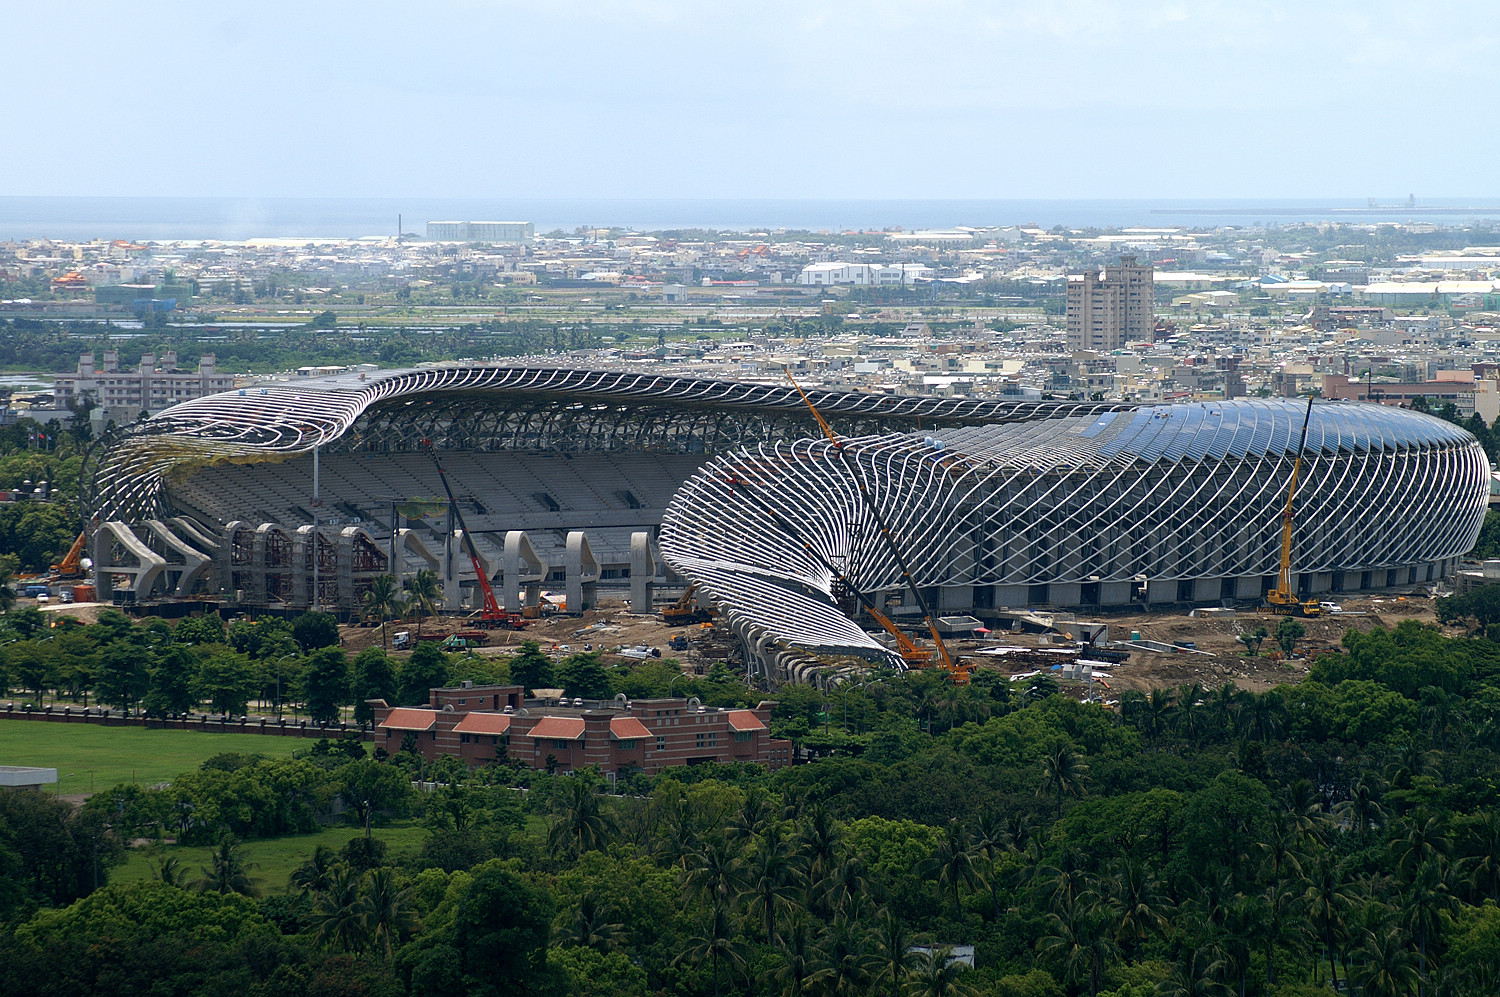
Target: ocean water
[147,218]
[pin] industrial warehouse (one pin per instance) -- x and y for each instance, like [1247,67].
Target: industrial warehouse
[297,496]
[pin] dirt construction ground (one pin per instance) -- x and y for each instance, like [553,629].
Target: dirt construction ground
[1224,659]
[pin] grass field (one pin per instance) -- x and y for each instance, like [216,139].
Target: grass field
[90,758]
[274,858]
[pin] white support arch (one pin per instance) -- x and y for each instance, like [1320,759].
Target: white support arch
[642,573]
[582,570]
[523,568]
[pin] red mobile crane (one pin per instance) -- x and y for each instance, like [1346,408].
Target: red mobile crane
[491,616]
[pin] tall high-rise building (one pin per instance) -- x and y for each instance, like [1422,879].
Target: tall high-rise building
[1105,313]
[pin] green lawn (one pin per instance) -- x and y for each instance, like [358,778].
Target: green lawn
[90,758]
[274,858]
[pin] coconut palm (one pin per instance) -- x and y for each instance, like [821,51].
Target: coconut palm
[768,877]
[590,926]
[894,952]
[424,593]
[1386,967]
[799,953]
[388,917]
[581,825]
[952,864]
[227,871]
[1063,774]
[339,917]
[716,871]
[845,966]
[715,943]
[938,974]
[170,871]
[382,600]
[313,876]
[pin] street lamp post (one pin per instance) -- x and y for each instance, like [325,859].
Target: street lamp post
[278,681]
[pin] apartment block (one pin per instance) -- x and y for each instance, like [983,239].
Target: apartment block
[1107,311]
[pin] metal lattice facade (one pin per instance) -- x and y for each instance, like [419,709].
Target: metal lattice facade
[1182,500]
[491,408]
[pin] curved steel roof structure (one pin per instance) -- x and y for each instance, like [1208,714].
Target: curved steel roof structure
[1191,491]
[489,407]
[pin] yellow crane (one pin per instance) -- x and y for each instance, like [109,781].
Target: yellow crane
[910,653]
[1282,600]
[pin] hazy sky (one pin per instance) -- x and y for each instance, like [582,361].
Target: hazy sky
[859,98]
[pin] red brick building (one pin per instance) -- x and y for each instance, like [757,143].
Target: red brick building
[483,723]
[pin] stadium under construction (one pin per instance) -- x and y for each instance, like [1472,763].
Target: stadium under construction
[291,495]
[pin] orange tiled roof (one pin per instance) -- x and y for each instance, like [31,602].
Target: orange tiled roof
[410,719]
[562,728]
[745,720]
[626,728]
[484,723]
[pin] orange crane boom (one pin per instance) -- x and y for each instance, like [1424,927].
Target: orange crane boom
[959,674]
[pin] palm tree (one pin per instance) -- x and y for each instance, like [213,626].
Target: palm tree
[846,964]
[1063,774]
[752,817]
[1078,942]
[1424,839]
[952,864]
[1265,715]
[845,887]
[1224,706]
[1362,810]
[1387,968]
[1425,902]
[818,842]
[170,871]
[1158,711]
[227,871]
[590,926]
[338,917]
[381,600]
[715,943]
[426,591]
[314,875]
[937,975]
[1328,902]
[387,918]
[582,825]
[1130,897]
[1196,976]
[992,838]
[1190,710]
[893,950]
[716,872]
[799,956]
[769,880]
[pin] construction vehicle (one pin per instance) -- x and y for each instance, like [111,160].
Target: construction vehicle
[70,568]
[912,655]
[683,611]
[1282,600]
[490,615]
[464,639]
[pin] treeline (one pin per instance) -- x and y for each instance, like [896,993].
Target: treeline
[291,667]
[1336,835]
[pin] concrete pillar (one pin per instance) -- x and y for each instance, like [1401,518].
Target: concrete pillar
[642,573]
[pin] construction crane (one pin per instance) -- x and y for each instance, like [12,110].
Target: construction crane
[912,655]
[683,612]
[1282,600]
[491,615]
[70,568]
[958,673]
